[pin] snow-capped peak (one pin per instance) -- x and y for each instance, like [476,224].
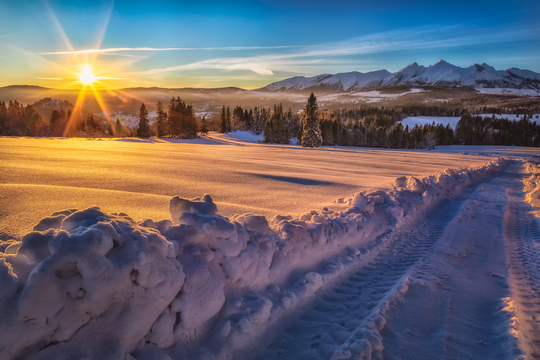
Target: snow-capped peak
[413,65]
[442,62]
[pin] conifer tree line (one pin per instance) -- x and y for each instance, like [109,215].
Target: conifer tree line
[179,122]
[479,130]
[19,120]
[278,126]
[380,131]
[371,126]
[225,121]
[365,125]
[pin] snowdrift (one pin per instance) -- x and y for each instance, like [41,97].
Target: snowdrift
[531,185]
[88,284]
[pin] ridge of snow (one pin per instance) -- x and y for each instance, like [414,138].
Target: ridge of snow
[532,185]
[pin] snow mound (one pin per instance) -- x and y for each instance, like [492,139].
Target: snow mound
[87,284]
[90,275]
[531,185]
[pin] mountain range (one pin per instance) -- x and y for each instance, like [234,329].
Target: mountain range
[441,74]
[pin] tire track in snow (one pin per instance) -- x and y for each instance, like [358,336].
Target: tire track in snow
[352,307]
[461,311]
[522,236]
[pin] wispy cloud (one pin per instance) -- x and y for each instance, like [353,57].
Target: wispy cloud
[261,65]
[332,56]
[151,49]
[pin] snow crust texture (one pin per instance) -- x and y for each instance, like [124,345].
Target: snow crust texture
[90,284]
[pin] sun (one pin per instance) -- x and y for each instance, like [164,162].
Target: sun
[86,76]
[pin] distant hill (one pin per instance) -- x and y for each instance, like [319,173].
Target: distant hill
[442,74]
[45,107]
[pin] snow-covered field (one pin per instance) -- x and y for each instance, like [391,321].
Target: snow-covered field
[411,121]
[360,253]
[41,176]
[509,91]
[363,96]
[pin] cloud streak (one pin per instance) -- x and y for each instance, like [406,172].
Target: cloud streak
[151,49]
[338,54]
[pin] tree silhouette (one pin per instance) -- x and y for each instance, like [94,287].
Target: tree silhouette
[229,128]
[161,120]
[223,121]
[143,131]
[311,136]
[204,129]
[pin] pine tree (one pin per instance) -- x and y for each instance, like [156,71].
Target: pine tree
[282,133]
[161,120]
[268,131]
[181,120]
[311,136]
[204,129]
[143,131]
[119,130]
[172,119]
[276,128]
[189,124]
[396,136]
[3,119]
[229,128]
[36,125]
[336,130]
[238,122]
[91,127]
[176,117]
[69,120]
[223,122]
[54,123]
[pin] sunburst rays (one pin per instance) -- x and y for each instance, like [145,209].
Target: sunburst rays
[89,73]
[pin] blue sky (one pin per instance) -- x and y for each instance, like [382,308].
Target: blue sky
[252,43]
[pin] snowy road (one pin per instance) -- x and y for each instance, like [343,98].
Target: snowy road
[463,283]
[350,307]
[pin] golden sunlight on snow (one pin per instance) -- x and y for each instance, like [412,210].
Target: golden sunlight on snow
[42,176]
